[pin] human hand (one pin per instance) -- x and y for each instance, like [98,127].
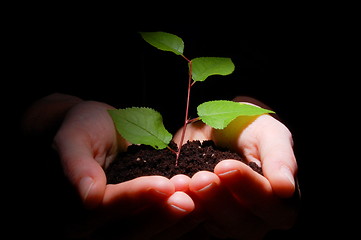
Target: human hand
[237,201]
[87,142]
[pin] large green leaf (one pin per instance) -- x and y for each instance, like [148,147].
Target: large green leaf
[218,114]
[204,67]
[141,126]
[164,41]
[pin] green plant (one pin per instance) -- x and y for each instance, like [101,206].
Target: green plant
[145,126]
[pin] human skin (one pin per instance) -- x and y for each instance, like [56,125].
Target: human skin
[153,206]
[247,198]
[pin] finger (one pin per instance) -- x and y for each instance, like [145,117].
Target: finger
[247,185]
[202,182]
[224,214]
[255,192]
[163,217]
[140,192]
[251,190]
[142,206]
[150,221]
[128,197]
[278,160]
[195,131]
[180,204]
[181,182]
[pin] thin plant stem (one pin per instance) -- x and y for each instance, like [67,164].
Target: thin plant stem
[187,109]
[172,150]
[186,58]
[193,120]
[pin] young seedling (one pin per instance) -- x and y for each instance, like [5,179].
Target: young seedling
[145,125]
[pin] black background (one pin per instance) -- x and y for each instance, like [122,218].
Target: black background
[296,60]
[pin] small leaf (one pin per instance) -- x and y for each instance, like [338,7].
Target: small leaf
[218,114]
[141,126]
[204,67]
[164,41]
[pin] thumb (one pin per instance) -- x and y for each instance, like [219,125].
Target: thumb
[278,160]
[83,172]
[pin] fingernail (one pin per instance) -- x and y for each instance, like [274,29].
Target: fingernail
[85,185]
[288,174]
[206,187]
[227,173]
[180,202]
[178,208]
[157,193]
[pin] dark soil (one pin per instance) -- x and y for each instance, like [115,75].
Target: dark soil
[142,160]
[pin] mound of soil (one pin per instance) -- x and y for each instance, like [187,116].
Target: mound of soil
[142,160]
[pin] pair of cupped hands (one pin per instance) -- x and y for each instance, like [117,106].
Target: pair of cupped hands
[232,201]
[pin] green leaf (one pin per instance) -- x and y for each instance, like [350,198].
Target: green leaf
[204,67]
[218,114]
[141,126]
[164,41]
